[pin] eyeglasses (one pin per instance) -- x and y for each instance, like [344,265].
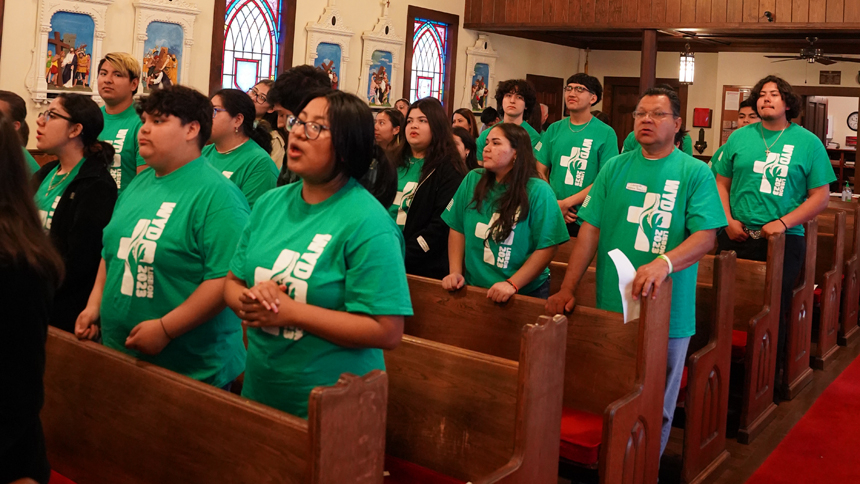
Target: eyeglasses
[654,115]
[49,115]
[312,130]
[578,89]
[215,111]
[258,96]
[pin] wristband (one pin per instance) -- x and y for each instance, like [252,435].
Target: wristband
[783,223]
[671,267]
[516,289]
[165,329]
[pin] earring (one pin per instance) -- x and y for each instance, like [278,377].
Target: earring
[236,130]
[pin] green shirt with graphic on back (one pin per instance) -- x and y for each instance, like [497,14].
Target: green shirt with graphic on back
[575,153]
[631,144]
[766,186]
[167,235]
[488,261]
[121,131]
[407,182]
[344,254]
[51,190]
[646,208]
[482,139]
[248,166]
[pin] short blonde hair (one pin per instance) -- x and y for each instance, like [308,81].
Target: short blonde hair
[125,62]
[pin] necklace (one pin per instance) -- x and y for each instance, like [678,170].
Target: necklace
[766,147]
[51,184]
[569,122]
[231,149]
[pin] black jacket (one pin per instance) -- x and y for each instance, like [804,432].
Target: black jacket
[76,231]
[426,234]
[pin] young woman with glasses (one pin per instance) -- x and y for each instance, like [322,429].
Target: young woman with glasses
[265,115]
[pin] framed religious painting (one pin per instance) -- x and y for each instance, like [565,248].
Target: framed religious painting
[164,35]
[328,44]
[480,74]
[381,59]
[68,45]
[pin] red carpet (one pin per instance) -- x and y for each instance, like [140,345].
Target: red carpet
[823,446]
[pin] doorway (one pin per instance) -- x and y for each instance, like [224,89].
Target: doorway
[549,92]
[620,96]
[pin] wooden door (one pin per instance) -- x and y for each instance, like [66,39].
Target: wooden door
[620,97]
[815,117]
[549,92]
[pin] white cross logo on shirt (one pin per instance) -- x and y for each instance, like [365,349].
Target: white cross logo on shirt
[567,161]
[645,213]
[482,231]
[771,164]
[281,273]
[137,247]
[403,200]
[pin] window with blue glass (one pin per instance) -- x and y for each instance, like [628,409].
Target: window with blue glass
[251,42]
[429,59]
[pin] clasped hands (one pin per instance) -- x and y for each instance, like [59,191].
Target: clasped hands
[266,305]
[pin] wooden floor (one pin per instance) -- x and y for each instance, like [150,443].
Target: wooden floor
[745,459]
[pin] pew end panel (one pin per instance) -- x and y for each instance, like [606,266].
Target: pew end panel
[848,328]
[797,373]
[110,418]
[707,399]
[828,276]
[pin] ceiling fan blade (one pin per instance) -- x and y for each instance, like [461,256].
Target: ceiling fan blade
[786,60]
[844,59]
[783,57]
[824,60]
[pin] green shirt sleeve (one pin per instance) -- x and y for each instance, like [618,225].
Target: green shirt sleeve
[630,143]
[376,276]
[609,149]
[453,214]
[820,171]
[543,150]
[592,207]
[237,263]
[721,162]
[261,176]
[547,227]
[704,208]
[140,160]
[482,142]
[220,231]
[687,144]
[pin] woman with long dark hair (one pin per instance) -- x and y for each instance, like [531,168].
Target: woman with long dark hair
[240,149]
[429,170]
[75,196]
[464,118]
[15,109]
[505,222]
[318,275]
[467,148]
[388,129]
[30,271]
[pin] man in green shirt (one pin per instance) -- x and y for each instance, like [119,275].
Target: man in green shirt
[746,115]
[571,151]
[516,98]
[773,177]
[659,207]
[118,78]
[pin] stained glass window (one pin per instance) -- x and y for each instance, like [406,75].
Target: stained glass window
[251,42]
[429,60]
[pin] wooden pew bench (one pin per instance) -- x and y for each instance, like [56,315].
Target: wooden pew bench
[828,277]
[456,415]
[614,373]
[110,418]
[850,307]
[797,372]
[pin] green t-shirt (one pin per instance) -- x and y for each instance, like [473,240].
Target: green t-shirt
[248,166]
[646,208]
[121,131]
[631,144]
[167,235]
[51,191]
[765,186]
[407,183]
[482,139]
[359,251]
[574,159]
[32,165]
[487,261]
[718,155]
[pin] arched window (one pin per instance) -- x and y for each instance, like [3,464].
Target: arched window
[431,56]
[256,41]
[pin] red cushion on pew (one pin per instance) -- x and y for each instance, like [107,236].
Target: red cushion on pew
[403,472]
[581,433]
[739,343]
[816,296]
[682,395]
[59,479]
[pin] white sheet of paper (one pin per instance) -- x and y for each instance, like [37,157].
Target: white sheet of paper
[626,273]
[733,100]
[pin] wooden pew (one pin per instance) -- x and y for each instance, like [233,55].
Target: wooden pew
[828,277]
[476,417]
[110,418]
[848,314]
[797,373]
[614,372]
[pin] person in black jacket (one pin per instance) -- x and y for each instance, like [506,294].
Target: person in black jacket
[429,171]
[30,270]
[75,196]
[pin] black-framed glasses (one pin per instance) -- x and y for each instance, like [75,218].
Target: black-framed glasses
[312,130]
[258,96]
[51,114]
[215,111]
[578,89]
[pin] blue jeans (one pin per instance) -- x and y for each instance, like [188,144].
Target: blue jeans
[674,370]
[542,292]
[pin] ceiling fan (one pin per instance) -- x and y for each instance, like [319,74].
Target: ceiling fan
[812,55]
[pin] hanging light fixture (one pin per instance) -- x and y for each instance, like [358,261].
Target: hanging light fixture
[688,67]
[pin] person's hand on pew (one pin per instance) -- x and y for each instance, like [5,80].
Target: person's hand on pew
[501,291]
[561,302]
[649,278]
[453,281]
[735,231]
[772,228]
[85,325]
[148,337]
